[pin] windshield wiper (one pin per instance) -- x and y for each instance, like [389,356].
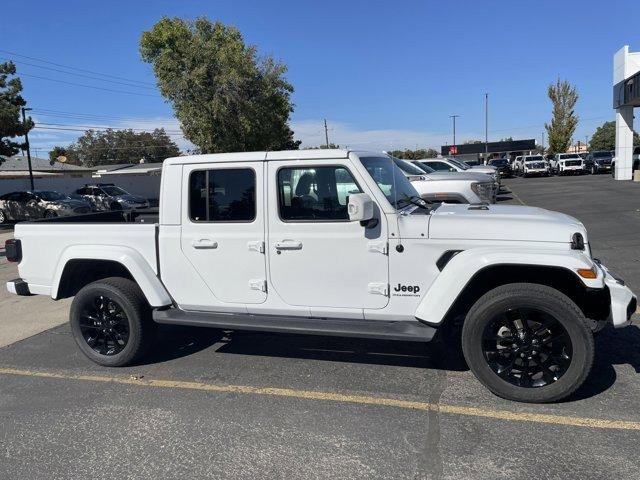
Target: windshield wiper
[413,200]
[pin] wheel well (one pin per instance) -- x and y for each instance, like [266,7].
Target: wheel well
[78,273]
[594,303]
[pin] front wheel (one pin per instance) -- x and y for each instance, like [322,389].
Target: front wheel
[111,322]
[594,170]
[3,217]
[528,343]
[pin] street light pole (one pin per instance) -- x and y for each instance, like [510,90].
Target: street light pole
[454,128]
[26,142]
[486,126]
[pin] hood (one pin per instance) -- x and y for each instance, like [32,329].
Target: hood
[503,222]
[484,169]
[71,203]
[132,198]
[467,175]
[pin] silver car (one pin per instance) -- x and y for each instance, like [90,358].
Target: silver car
[31,205]
[107,196]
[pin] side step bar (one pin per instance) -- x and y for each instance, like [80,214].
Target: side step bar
[406,331]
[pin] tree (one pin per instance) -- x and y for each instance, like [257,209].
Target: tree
[11,124]
[563,124]
[323,147]
[414,154]
[118,146]
[604,138]
[225,97]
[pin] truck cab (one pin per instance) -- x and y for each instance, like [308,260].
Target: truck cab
[331,242]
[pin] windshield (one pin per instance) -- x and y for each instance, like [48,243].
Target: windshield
[534,158]
[570,155]
[459,164]
[423,166]
[601,154]
[51,196]
[114,191]
[408,167]
[387,174]
[499,162]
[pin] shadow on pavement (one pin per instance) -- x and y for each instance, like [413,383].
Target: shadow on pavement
[503,198]
[613,347]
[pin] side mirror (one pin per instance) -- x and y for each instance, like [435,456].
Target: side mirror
[360,207]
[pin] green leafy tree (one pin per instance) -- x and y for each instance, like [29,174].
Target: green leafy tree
[225,97]
[417,154]
[118,146]
[604,138]
[564,121]
[11,124]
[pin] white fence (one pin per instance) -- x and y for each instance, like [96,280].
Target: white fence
[147,186]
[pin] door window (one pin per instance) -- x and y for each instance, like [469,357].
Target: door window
[315,193]
[222,195]
[439,166]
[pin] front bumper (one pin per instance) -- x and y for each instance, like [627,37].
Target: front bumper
[536,171]
[623,302]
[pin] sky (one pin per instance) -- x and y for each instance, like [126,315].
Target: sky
[385,75]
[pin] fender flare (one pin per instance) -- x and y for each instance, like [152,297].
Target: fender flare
[144,275]
[459,271]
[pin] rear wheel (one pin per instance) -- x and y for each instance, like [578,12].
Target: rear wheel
[3,217]
[528,343]
[50,214]
[594,170]
[111,322]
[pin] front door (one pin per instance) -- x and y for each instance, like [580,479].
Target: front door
[317,257]
[223,231]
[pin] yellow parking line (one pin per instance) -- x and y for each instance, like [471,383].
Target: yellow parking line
[338,397]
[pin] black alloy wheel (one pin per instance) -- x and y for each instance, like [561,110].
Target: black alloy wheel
[527,347]
[104,326]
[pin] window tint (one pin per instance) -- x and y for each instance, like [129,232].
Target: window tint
[222,195]
[439,166]
[318,193]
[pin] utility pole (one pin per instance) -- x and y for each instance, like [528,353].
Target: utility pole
[486,127]
[26,142]
[326,133]
[542,142]
[586,141]
[454,128]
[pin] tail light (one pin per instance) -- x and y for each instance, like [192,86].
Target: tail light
[13,250]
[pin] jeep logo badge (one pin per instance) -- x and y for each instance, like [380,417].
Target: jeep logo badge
[406,290]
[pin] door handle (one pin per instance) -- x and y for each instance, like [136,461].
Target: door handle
[289,245]
[204,243]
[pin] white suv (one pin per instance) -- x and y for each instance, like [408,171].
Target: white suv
[567,163]
[533,165]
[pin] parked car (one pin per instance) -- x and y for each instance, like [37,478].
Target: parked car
[533,165]
[635,159]
[107,196]
[31,205]
[502,165]
[445,164]
[263,241]
[448,187]
[516,164]
[567,163]
[599,161]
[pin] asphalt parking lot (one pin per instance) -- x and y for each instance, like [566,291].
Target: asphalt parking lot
[210,404]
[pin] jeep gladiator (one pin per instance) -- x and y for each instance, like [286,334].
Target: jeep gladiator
[331,242]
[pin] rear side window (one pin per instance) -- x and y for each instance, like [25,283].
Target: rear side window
[222,195]
[315,193]
[439,166]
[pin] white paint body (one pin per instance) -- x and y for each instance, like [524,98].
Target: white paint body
[625,65]
[328,269]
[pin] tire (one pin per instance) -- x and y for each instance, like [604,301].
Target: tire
[3,217]
[479,331]
[132,305]
[594,170]
[50,214]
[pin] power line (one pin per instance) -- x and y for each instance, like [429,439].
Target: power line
[128,84]
[75,68]
[98,129]
[89,86]
[105,127]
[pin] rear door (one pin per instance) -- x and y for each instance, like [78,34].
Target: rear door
[223,231]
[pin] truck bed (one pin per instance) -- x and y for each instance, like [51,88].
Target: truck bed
[47,244]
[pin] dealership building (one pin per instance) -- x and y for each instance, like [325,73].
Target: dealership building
[478,152]
[626,96]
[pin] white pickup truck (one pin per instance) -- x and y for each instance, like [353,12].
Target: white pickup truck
[331,242]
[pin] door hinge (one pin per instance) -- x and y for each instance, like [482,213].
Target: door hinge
[381,247]
[256,246]
[379,289]
[259,284]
